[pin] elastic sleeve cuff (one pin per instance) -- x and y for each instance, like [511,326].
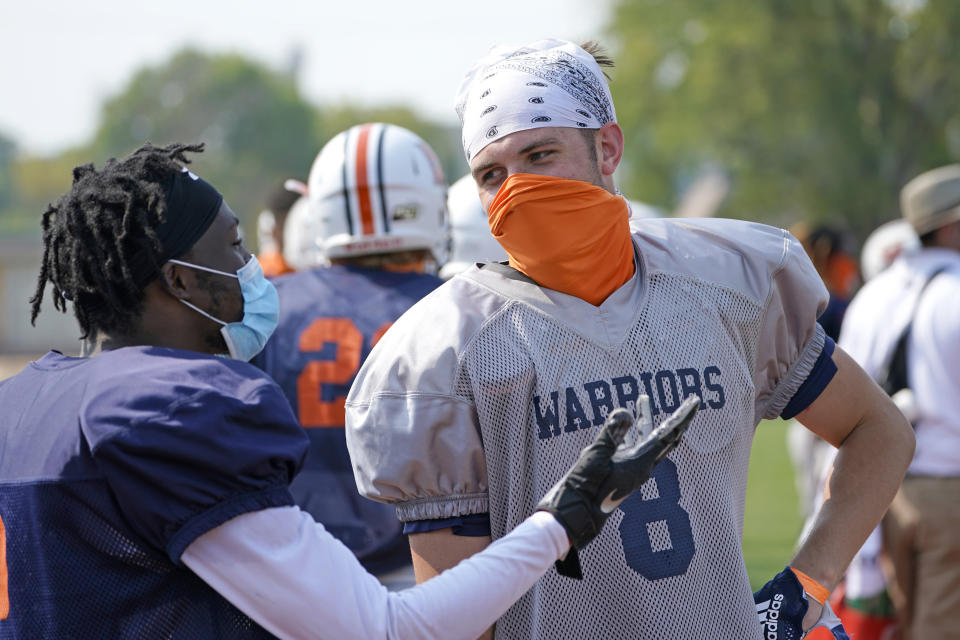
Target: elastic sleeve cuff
[276,496]
[473,525]
[558,535]
[793,379]
[820,376]
[438,508]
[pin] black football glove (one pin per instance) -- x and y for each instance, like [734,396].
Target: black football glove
[603,477]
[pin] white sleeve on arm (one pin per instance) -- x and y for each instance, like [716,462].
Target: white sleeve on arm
[297,581]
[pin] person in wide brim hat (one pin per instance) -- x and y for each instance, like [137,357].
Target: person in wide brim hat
[932,199]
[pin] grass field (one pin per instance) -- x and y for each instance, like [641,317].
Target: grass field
[772,522]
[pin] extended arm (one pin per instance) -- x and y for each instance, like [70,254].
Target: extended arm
[297,581]
[875,447]
[440,549]
[289,574]
[436,551]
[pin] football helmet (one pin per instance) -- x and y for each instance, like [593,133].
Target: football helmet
[883,246]
[470,237]
[301,237]
[378,188]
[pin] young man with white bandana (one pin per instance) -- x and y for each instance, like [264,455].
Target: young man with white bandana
[480,396]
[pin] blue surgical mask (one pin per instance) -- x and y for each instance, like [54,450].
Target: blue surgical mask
[261,310]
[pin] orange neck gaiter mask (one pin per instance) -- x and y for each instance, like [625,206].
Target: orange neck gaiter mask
[567,235]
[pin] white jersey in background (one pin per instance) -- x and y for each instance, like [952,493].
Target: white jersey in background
[874,322]
[485,391]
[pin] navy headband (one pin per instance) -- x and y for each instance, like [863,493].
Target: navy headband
[191,206]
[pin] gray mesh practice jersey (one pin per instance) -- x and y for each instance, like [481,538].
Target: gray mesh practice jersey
[484,393]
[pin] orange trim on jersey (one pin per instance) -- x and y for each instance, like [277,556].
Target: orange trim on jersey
[363,187]
[812,588]
[273,264]
[417,266]
[4,593]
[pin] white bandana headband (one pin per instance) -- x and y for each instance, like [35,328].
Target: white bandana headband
[549,83]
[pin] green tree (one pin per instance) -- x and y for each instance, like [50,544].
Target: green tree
[34,183]
[257,128]
[819,109]
[8,151]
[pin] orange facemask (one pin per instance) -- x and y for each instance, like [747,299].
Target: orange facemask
[568,235]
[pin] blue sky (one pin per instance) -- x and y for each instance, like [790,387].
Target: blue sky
[59,59]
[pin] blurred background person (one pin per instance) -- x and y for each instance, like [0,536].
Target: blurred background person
[862,601]
[828,249]
[908,318]
[302,238]
[377,203]
[865,606]
[884,245]
[270,226]
[810,455]
[470,238]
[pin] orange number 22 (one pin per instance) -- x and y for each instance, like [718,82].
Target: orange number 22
[348,340]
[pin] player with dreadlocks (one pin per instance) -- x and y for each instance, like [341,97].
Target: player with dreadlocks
[102,230]
[144,489]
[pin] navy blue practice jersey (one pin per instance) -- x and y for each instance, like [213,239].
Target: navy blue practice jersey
[330,319]
[110,467]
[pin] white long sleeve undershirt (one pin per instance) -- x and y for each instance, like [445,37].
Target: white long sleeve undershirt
[296,580]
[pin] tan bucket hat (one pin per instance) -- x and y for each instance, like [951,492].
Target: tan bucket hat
[932,199]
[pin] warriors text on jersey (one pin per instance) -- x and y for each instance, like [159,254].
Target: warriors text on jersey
[485,392]
[110,467]
[330,319]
